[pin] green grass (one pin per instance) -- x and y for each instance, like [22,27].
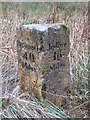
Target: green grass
[53,109]
[0,102]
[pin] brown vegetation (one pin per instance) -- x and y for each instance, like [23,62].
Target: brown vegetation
[76,101]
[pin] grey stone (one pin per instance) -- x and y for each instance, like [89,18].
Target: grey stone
[43,49]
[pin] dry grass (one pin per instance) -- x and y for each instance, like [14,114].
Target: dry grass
[76,101]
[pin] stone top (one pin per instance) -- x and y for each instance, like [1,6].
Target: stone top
[42,27]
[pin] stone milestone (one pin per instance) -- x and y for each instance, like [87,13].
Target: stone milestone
[43,62]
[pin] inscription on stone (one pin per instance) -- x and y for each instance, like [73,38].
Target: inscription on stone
[43,56]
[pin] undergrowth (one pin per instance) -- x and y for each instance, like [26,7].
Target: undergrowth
[72,15]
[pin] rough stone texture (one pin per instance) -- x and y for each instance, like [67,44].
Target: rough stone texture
[43,59]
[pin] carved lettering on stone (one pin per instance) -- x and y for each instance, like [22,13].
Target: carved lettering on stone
[43,56]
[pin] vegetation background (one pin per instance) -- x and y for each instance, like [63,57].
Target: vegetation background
[74,16]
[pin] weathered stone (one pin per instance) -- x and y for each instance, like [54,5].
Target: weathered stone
[43,59]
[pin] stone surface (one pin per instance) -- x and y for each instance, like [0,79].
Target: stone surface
[43,59]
